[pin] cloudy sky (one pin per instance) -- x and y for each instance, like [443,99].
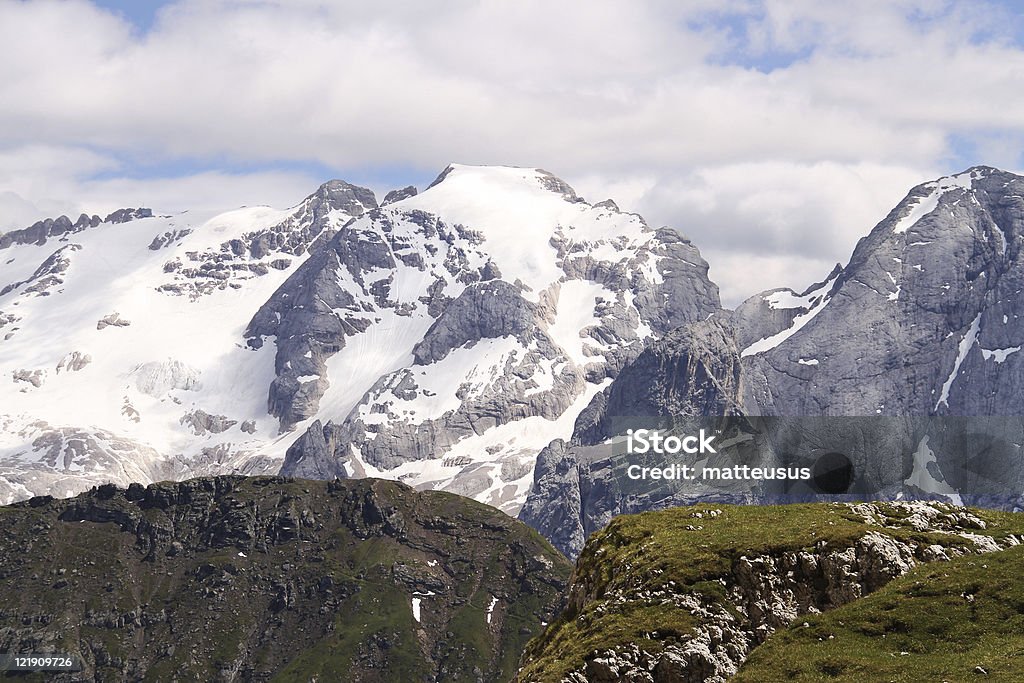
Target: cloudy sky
[774,133]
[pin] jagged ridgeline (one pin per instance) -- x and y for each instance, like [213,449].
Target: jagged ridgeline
[815,592]
[441,337]
[482,336]
[926,320]
[259,579]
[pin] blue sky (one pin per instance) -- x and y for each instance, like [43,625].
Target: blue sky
[774,133]
[141,13]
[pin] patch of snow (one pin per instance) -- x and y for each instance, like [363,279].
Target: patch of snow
[417,600]
[815,299]
[925,205]
[577,303]
[771,342]
[970,337]
[808,361]
[490,608]
[922,477]
[999,355]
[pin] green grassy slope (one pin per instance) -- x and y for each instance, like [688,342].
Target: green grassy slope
[628,576]
[274,579]
[950,621]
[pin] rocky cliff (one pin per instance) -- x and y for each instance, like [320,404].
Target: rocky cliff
[922,325]
[253,579]
[688,594]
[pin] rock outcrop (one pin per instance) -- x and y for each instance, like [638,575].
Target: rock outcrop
[680,596]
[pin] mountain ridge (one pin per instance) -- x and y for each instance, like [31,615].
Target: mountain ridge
[450,337]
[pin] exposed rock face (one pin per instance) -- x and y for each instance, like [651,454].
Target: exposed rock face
[202,422]
[47,278]
[731,603]
[73,362]
[491,331]
[62,228]
[694,371]
[923,321]
[256,251]
[927,308]
[112,320]
[252,578]
[40,231]
[127,215]
[399,195]
[33,377]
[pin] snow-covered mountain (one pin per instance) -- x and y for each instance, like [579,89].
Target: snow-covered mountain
[481,336]
[442,338]
[122,350]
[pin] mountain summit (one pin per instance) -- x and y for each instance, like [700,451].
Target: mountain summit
[443,337]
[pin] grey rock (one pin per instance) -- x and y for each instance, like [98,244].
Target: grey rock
[73,362]
[913,299]
[255,253]
[694,371]
[398,195]
[202,422]
[489,310]
[112,320]
[126,215]
[33,377]
[48,277]
[41,231]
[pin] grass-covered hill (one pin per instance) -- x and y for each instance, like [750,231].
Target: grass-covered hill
[272,579]
[888,592]
[955,621]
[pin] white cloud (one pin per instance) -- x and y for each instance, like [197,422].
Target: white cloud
[670,107]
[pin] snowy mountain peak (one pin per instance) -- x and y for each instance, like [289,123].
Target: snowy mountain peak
[463,177]
[441,337]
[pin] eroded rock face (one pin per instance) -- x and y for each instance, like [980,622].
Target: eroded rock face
[694,371]
[202,422]
[257,252]
[41,231]
[33,377]
[112,320]
[923,321]
[73,362]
